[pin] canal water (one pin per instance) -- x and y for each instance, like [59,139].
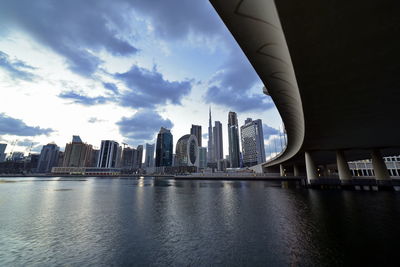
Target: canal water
[159,222]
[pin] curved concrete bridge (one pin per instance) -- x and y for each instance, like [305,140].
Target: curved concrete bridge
[333,70]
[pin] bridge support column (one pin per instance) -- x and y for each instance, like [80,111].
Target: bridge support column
[281,170]
[380,169]
[343,166]
[296,171]
[310,167]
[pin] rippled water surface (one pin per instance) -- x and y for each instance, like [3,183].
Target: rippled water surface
[103,222]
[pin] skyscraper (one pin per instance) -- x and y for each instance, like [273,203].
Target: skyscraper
[48,158]
[252,142]
[196,131]
[129,156]
[187,153]
[109,154]
[218,144]
[164,148]
[77,153]
[210,155]
[233,136]
[139,157]
[2,152]
[202,157]
[149,159]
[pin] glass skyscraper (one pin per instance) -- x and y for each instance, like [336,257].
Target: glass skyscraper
[149,160]
[164,148]
[252,142]
[196,131]
[233,138]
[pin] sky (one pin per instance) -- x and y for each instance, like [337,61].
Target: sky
[119,70]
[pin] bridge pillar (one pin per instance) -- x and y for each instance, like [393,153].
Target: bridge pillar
[281,170]
[296,171]
[380,169]
[343,166]
[310,167]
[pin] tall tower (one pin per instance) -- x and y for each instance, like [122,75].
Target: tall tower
[210,155]
[110,154]
[218,144]
[164,148]
[196,131]
[252,142]
[233,136]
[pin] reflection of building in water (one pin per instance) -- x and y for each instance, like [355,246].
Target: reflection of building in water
[365,168]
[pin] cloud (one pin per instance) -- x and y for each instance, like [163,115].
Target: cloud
[177,19]
[148,88]
[231,86]
[15,68]
[74,29]
[205,135]
[111,87]
[94,120]
[12,126]
[142,126]
[269,131]
[78,98]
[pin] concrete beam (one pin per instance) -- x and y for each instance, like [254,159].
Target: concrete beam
[343,166]
[379,165]
[310,167]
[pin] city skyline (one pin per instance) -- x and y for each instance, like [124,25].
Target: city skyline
[92,87]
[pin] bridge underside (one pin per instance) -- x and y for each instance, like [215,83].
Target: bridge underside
[346,62]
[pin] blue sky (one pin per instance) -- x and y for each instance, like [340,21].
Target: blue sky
[120,70]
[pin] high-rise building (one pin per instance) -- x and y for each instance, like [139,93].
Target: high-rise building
[77,153]
[218,144]
[233,137]
[187,153]
[164,148]
[149,159]
[94,157]
[196,131]
[48,158]
[252,142]
[202,157]
[3,152]
[110,154]
[129,156]
[139,157]
[210,145]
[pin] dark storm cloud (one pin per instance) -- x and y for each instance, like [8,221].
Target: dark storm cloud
[15,68]
[231,86]
[12,126]
[268,131]
[111,87]
[78,98]
[74,29]
[142,126]
[148,88]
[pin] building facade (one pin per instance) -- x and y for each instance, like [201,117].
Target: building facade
[109,156]
[202,157]
[196,131]
[3,152]
[210,145]
[252,137]
[218,143]
[48,158]
[187,151]
[77,153]
[164,148]
[149,158]
[233,138]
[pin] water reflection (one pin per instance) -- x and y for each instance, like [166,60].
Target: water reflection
[150,221]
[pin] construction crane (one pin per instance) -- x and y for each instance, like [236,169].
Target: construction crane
[124,144]
[13,143]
